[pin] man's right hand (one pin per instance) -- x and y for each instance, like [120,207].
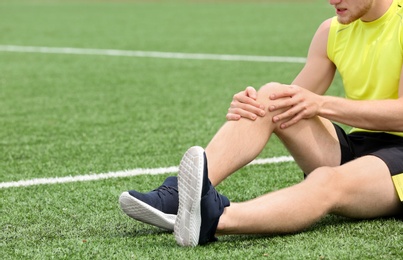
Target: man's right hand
[244,105]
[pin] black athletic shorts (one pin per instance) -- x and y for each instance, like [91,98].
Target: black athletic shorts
[387,147]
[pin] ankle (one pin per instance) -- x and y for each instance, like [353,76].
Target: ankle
[222,223]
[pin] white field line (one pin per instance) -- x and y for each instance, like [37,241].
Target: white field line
[151,54]
[120,174]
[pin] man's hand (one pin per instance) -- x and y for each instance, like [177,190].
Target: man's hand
[244,105]
[296,103]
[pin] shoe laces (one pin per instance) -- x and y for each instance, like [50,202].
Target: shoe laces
[164,190]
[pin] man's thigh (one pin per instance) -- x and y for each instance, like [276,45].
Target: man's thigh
[365,189]
[313,143]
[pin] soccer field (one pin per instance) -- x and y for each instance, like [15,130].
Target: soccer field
[99,97]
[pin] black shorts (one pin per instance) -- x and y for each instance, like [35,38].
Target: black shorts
[387,147]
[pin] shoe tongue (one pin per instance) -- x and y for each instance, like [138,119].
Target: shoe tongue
[225,201]
[171,181]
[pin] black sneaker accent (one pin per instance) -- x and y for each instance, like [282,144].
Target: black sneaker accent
[158,207]
[212,206]
[200,205]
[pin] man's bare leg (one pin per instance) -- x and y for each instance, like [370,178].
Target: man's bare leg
[360,189]
[312,143]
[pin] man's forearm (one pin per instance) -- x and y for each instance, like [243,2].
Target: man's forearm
[381,115]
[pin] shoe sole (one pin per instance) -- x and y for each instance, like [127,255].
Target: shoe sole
[190,181]
[143,212]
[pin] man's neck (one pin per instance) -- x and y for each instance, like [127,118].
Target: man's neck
[379,8]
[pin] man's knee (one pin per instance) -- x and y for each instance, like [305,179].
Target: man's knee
[267,89]
[324,175]
[327,181]
[263,97]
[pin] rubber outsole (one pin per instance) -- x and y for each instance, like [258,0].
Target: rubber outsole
[143,212]
[190,181]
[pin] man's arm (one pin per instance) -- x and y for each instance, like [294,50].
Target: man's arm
[316,76]
[382,115]
[304,98]
[299,103]
[319,71]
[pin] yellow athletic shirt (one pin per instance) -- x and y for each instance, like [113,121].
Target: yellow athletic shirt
[369,56]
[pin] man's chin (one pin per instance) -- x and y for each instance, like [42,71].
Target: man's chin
[344,21]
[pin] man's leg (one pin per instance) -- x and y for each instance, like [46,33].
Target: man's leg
[234,145]
[312,143]
[238,143]
[359,189]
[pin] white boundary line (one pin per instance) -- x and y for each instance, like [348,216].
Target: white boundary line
[151,54]
[120,174]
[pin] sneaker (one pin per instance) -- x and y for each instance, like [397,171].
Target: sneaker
[158,207]
[200,205]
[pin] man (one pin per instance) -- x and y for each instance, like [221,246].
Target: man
[357,175]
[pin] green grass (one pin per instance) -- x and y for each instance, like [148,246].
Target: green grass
[63,115]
